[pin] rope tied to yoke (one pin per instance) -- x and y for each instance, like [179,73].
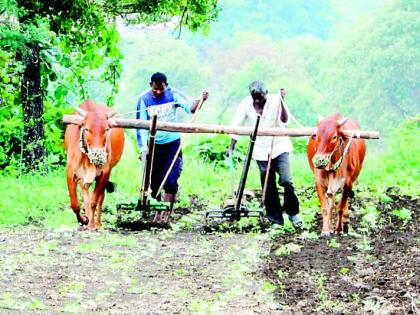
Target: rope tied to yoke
[338,163]
[183,139]
[270,156]
[325,160]
[185,98]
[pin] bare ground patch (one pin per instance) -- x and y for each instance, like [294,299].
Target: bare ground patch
[148,272]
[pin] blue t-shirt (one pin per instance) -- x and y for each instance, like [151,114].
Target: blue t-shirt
[148,105]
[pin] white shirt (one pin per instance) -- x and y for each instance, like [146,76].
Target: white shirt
[262,148]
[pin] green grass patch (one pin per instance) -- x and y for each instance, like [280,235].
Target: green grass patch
[287,249]
[403,214]
[32,198]
[38,305]
[115,239]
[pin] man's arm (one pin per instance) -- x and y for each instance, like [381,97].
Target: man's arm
[204,96]
[190,109]
[284,117]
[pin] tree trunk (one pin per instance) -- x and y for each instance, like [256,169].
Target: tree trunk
[33,110]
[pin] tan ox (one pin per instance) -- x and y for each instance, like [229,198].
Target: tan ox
[93,149]
[336,161]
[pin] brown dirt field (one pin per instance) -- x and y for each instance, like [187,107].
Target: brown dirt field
[369,271]
[184,270]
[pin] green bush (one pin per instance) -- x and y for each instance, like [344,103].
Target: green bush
[403,156]
[213,150]
[396,163]
[299,144]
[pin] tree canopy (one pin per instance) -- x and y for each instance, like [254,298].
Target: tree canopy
[51,51]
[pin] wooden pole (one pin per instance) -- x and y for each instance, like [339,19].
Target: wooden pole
[206,128]
[148,164]
[270,156]
[183,139]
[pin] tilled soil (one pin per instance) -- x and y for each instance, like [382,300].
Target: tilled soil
[148,272]
[184,270]
[370,271]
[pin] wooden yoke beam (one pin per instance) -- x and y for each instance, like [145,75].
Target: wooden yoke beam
[206,128]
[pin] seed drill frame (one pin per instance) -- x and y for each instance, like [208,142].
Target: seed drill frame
[143,204]
[238,210]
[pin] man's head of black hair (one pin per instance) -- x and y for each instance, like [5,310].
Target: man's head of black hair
[158,78]
[158,84]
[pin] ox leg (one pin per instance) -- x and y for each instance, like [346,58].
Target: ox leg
[98,222]
[325,210]
[96,202]
[93,204]
[87,196]
[343,210]
[331,214]
[74,202]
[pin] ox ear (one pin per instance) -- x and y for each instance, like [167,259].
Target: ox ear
[80,111]
[342,121]
[112,114]
[320,118]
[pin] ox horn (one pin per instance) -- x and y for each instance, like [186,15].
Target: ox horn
[342,121]
[112,114]
[80,111]
[320,118]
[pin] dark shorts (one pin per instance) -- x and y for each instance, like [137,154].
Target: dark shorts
[162,160]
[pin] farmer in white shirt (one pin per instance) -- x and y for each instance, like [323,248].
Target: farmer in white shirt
[266,105]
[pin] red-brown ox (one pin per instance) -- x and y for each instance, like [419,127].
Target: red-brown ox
[336,161]
[93,149]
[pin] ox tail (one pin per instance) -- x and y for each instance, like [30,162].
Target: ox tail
[110,187]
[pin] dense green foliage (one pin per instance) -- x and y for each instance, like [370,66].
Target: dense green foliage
[375,69]
[400,165]
[79,58]
[357,58]
[70,50]
[362,64]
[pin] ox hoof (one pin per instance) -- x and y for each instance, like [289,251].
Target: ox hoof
[83,220]
[339,233]
[325,234]
[346,227]
[91,227]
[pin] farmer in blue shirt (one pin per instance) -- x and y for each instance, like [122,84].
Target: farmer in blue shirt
[162,101]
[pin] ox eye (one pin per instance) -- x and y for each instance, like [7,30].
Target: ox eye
[87,129]
[334,137]
[313,137]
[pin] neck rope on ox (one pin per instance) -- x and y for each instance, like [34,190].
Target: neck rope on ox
[340,160]
[95,156]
